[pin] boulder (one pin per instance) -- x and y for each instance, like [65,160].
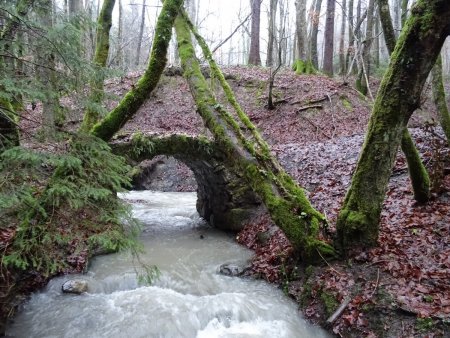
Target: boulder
[76,286]
[233,270]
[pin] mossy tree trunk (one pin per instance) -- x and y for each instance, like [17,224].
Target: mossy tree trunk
[9,131]
[104,23]
[420,180]
[439,98]
[129,105]
[250,155]
[399,95]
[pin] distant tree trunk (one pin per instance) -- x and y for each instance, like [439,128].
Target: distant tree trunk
[250,155]
[342,68]
[377,43]
[52,115]
[314,32]
[300,30]
[9,131]
[272,30]
[364,73]
[439,98]
[75,7]
[133,100]
[414,56]
[119,56]
[420,180]
[329,39]
[141,34]
[404,11]
[351,37]
[397,21]
[104,23]
[254,58]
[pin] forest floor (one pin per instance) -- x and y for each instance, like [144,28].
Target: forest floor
[400,288]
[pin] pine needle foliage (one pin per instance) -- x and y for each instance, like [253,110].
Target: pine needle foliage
[63,206]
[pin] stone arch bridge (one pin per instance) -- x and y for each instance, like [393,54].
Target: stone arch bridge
[224,198]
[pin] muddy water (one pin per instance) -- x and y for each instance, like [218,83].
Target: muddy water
[190,299]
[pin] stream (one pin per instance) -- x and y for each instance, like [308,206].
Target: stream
[189,299]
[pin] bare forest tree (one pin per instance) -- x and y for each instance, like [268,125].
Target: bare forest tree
[300,31]
[141,34]
[342,67]
[329,38]
[272,33]
[254,57]
[315,19]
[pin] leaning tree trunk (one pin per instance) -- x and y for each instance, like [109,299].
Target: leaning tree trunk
[439,98]
[399,95]
[104,23]
[420,180]
[250,155]
[133,100]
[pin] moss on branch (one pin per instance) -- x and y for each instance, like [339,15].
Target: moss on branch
[133,100]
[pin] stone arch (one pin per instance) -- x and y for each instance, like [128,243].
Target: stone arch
[224,199]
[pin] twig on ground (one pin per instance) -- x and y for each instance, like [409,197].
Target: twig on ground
[376,283]
[339,311]
[315,126]
[316,106]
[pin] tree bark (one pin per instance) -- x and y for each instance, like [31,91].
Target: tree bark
[129,105]
[250,156]
[420,180]
[104,23]
[271,31]
[439,98]
[399,95]
[329,39]
[254,58]
[314,32]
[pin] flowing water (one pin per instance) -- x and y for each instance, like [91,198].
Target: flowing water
[190,299]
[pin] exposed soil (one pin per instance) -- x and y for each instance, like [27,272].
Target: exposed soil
[401,288]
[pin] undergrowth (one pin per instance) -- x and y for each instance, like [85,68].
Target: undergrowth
[56,208]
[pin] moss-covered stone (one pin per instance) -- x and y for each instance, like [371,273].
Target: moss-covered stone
[304,67]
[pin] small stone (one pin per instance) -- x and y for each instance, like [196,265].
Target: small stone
[76,286]
[233,270]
